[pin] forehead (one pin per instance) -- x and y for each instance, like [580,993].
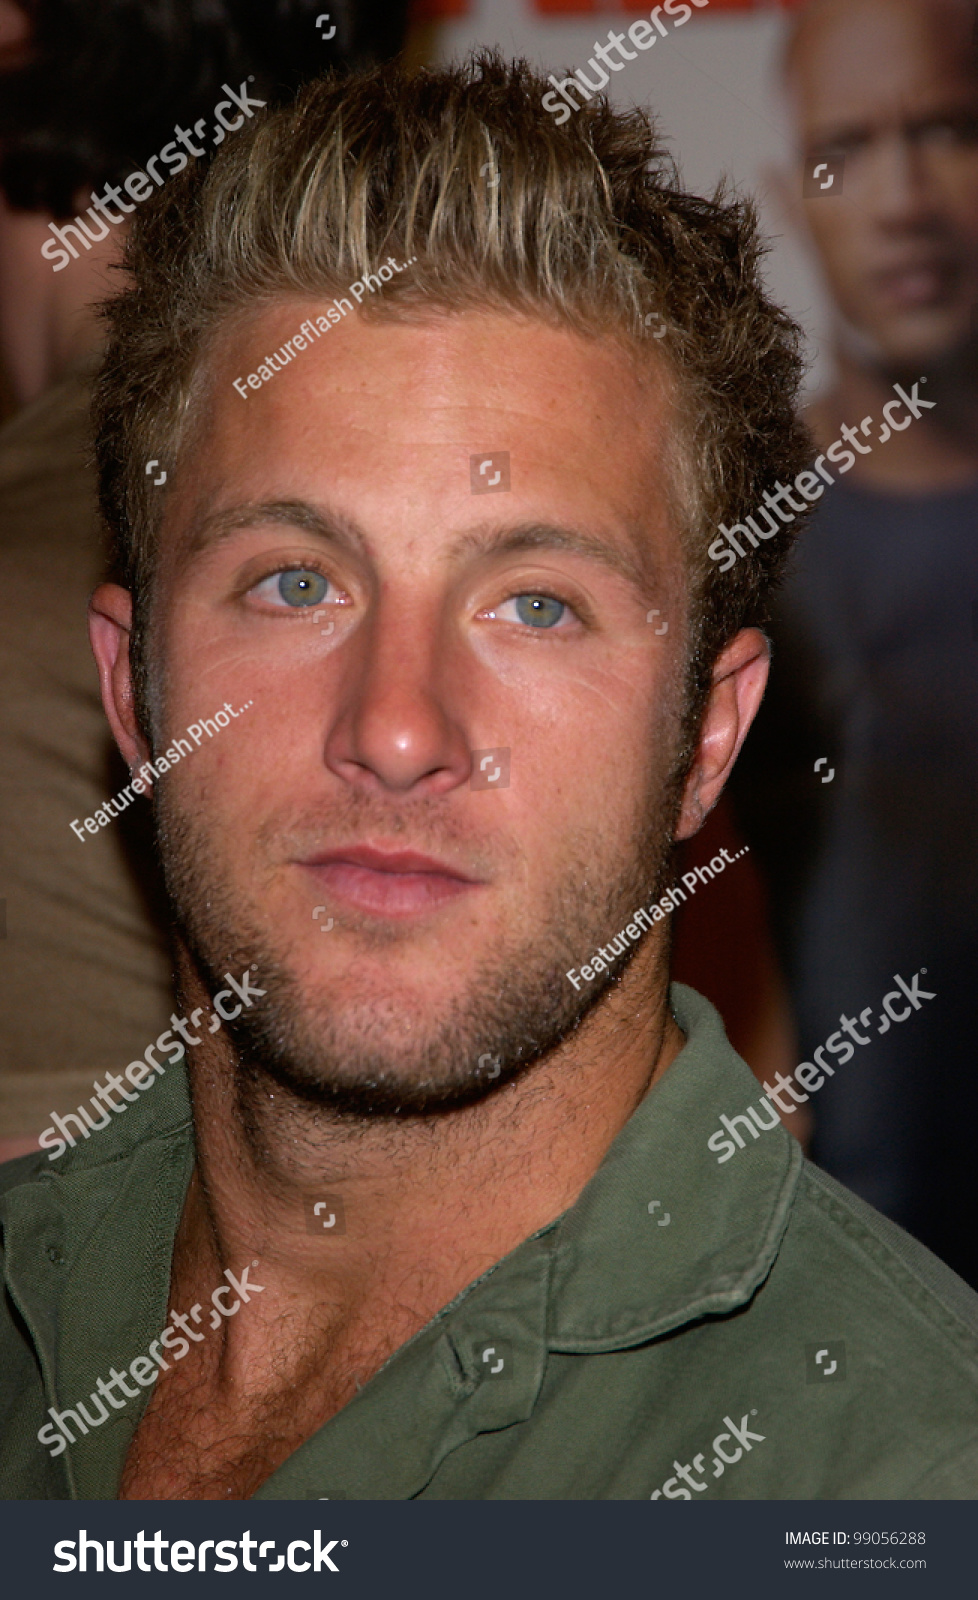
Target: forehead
[382,419]
[863,62]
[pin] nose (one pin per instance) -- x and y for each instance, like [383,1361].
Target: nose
[397,729]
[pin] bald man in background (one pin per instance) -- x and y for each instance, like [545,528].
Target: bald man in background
[875,872]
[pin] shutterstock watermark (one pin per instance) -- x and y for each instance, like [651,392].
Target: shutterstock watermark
[807,483]
[657,912]
[138,1072]
[138,186]
[146,1369]
[809,1076]
[185,1555]
[643,35]
[814,186]
[179,748]
[690,1473]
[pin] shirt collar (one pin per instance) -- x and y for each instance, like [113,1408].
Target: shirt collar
[605,1276]
[622,1274]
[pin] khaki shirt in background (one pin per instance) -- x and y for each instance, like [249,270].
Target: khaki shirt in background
[84,969]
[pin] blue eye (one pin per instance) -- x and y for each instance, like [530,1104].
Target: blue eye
[295,588]
[539,610]
[302,587]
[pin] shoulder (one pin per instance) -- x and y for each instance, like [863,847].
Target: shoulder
[23,1169]
[161,1112]
[869,1254]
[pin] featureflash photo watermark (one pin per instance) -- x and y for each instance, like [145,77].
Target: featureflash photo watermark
[658,911]
[178,748]
[308,332]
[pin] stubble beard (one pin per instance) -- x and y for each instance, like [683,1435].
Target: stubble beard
[372,1055]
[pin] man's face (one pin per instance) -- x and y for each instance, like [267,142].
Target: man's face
[382,621]
[891,85]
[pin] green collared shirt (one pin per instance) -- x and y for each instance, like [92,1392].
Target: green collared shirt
[688,1329]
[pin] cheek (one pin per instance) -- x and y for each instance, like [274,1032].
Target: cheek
[234,760]
[591,697]
[591,737]
[842,250]
[241,782]
[210,660]
[962,210]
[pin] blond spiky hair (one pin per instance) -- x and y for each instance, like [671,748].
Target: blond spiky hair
[584,224]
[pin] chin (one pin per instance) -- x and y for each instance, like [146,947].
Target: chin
[386,1057]
[359,1028]
[375,1090]
[923,342]
[383,1034]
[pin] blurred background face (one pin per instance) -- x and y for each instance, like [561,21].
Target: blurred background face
[15,31]
[89,91]
[892,85]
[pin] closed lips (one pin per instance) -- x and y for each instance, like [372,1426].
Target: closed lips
[388,883]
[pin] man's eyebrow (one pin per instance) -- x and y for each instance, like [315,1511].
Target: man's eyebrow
[960,113]
[844,131]
[336,528]
[331,527]
[627,562]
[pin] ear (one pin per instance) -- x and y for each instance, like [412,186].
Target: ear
[109,629]
[739,681]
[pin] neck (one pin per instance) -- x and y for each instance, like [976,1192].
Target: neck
[938,451]
[429,1204]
